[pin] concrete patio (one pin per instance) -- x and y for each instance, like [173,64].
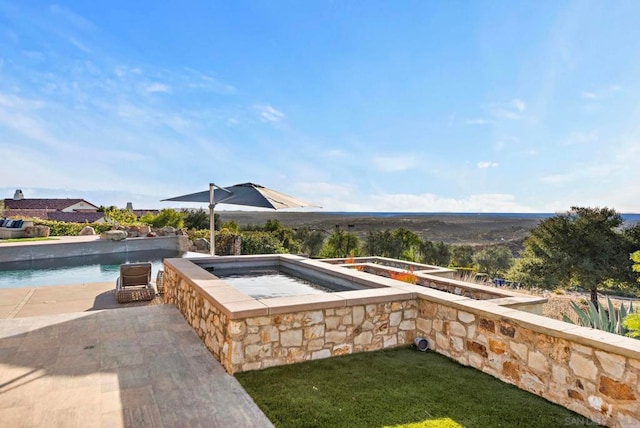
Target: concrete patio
[129,367]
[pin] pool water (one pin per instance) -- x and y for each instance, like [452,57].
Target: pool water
[265,284]
[76,270]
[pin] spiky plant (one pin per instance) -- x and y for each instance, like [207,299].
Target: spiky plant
[609,320]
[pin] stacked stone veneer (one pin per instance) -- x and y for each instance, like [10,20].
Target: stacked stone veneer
[308,335]
[250,343]
[590,372]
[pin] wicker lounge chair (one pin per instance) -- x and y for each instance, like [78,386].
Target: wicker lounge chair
[134,283]
[160,282]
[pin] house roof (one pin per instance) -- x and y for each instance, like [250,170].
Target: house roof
[75,217]
[25,213]
[42,204]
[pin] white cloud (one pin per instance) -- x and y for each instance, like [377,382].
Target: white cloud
[157,87]
[487,164]
[601,93]
[323,188]
[206,81]
[519,105]
[582,173]
[269,114]
[393,163]
[79,45]
[73,18]
[512,110]
[427,202]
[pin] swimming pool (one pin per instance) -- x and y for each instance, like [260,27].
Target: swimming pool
[76,270]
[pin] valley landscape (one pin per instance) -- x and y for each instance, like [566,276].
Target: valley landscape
[451,228]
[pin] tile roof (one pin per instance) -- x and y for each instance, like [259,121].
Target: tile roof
[75,217]
[25,213]
[42,204]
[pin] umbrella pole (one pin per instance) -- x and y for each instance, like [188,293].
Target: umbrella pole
[212,242]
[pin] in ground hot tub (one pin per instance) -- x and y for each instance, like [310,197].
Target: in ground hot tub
[279,280]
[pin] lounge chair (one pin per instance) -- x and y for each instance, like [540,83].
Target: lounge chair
[134,283]
[160,282]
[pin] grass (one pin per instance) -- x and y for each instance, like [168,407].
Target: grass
[2,241]
[398,387]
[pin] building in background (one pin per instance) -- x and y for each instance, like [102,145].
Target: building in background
[59,209]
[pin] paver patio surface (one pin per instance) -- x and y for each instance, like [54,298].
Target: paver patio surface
[132,367]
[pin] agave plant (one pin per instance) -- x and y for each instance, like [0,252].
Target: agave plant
[607,320]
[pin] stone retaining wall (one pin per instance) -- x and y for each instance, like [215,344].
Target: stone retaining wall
[308,335]
[588,371]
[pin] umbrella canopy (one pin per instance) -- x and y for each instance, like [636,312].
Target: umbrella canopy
[247,194]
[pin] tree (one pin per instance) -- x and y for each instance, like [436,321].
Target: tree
[400,243]
[197,219]
[311,241]
[462,256]
[583,247]
[166,217]
[409,244]
[117,216]
[341,244]
[438,254]
[493,261]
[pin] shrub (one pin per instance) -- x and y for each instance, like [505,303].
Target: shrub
[632,324]
[202,233]
[166,217]
[261,243]
[120,216]
[61,228]
[610,320]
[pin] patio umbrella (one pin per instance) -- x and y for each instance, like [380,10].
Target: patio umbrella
[248,194]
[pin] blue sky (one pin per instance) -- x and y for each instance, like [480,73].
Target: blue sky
[428,106]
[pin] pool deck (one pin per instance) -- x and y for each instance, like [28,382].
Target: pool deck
[70,355]
[130,367]
[61,299]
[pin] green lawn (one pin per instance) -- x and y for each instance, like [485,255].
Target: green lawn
[395,388]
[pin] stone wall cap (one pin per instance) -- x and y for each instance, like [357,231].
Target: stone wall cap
[244,309]
[224,294]
[376,295]
[440,296]
[311,302]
